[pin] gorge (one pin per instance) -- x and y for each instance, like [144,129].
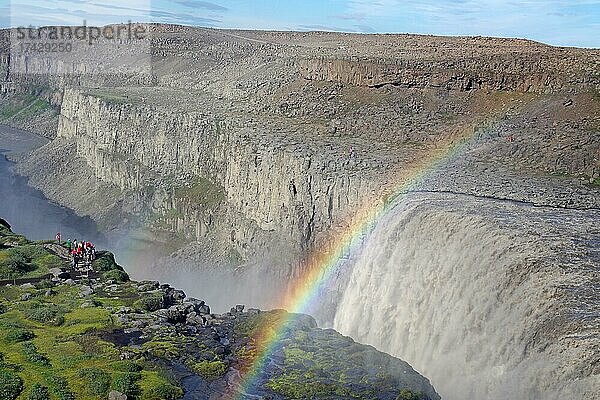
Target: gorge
[241,154]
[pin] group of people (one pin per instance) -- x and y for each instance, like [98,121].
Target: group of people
[81,251]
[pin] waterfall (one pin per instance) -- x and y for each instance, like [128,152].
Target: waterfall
[463,291]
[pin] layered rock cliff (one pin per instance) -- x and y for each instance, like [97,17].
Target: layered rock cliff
[270,181]
[265,139]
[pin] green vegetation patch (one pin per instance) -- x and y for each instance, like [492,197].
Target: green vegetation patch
[32,355]
[105,261]
[112,97]
[17,335]
[11,385]
[127,366]
[116,275]
[150,302]
[95,381]
[46,313]
[26,261]
[155,387]
[162,349]
[296,385]
[209,370]
[59,387]
[22,106]
[265,321]
[38,392]
[127,383]
[408,395]
[8,237]
[202,192]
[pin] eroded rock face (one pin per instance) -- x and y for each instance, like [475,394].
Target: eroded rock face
[269,182]
[282,124]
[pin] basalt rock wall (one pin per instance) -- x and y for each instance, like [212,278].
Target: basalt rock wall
[531,75]
[286,190]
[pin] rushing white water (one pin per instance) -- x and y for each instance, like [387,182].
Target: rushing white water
[463,296]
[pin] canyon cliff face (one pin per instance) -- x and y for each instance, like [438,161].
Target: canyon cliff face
[267,139]
[270,184]
[513,75]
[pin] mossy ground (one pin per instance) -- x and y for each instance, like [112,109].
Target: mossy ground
[23,106]
[319,364]
[39,352]
[52,348]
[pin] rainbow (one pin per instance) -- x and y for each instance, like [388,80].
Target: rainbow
[319,267]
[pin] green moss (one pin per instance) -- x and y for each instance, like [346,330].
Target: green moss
[32,355]
[38,392]
[17,335]
[13,264]
[152,302]
[161,349]
[7,236]
[46,313]
[28,261]
[209,370]
[262,322]
[297,357]
[84,320]
[116,275]
[95,381]
[111,97]
[154,387]
[105,261]
[36,107]
[408,395]
[49,261]
[296,385]
[22,105]
[126,366]
[59,387]
[202,192]
[11,385]
[126,383]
